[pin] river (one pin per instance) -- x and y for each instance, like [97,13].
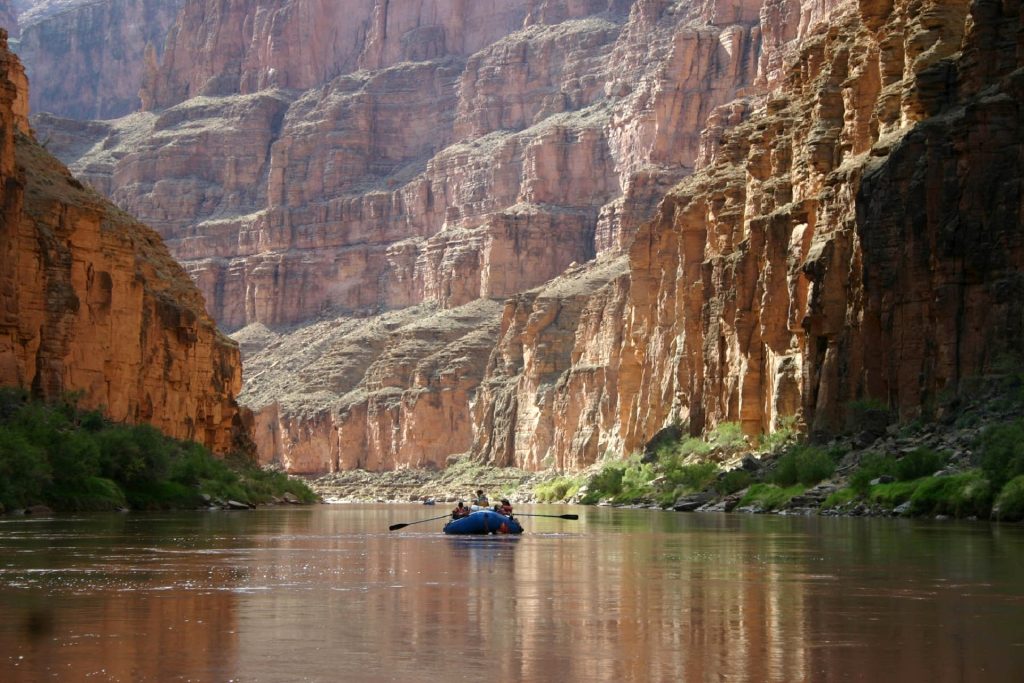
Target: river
[326,593]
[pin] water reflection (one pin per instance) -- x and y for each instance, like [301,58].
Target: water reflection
[329,594]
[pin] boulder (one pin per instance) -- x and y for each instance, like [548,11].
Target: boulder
[693,501]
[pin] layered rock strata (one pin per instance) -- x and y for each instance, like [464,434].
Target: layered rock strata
[482,150]
[857,237]
[846,229]
[87,60]
[427,175]
[92,302]
[389,393]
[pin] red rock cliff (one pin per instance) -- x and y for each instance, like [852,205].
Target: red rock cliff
[857,236]
[86,59]
[841,232]
[91,300]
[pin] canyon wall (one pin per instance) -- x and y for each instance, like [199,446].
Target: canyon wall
[87,60]
[539,231]
[92,302]
[856,237]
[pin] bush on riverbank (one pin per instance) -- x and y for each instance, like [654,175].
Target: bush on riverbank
[805,465]
[1009,506]
[921,462]
[75,460]
[1002,452]
[961,495]
[557,490]
[768,497]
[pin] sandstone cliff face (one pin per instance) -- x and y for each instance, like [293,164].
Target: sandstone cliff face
[86,60]
[483,148]
[433,180]
[856,237]
[839,232]
[91,300]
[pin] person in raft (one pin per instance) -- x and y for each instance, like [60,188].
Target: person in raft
[481,499]
[460,511]
[506,507]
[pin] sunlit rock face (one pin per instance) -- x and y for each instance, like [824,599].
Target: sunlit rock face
[92,302]
[854,233]
[539,231]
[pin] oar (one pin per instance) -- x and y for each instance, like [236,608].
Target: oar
[396,527]
[525,514]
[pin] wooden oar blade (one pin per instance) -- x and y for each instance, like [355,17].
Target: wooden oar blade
[396,527]
[569,516]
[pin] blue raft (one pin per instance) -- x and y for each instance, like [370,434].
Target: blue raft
[483,522]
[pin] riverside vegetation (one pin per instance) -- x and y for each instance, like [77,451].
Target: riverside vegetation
[964,458]
[966,461]
[74,460]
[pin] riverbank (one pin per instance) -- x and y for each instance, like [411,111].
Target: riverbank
[457,482]
[55,457]
[967,462]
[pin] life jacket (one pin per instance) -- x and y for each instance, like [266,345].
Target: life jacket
[506,510]
[458,512]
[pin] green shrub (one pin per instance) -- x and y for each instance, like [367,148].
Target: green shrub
[804,464]
[961,495]
[1009,505]
[693,477]
[733,481]
[636,482]
[893,494]
[1002,452]
[92,494]
[78,461]
[74,458]
[607,483]
[694,446]
[770,496]
[24,470]
[557,490]
[780,437]
[840,497]
[163,495]
[728,436]
[625,481]
[872,466]
[194,466]
[134,455]
[263,485]
[922,462]
[11,401]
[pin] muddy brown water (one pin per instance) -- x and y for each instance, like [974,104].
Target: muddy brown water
[328,594]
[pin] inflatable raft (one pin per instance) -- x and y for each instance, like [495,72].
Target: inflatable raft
[483,522]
